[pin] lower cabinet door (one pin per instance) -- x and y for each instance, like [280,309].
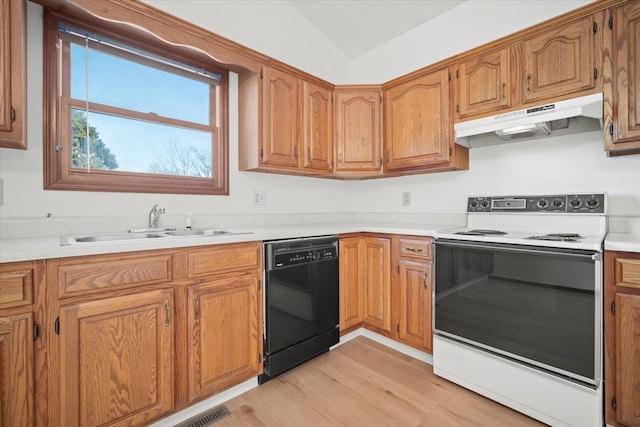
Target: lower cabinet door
[116,360]
[16,371]
[225,334]
[415,304]
[628,359]
[377,283]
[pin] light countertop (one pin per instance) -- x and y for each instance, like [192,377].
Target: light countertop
[627,242]
[34,248]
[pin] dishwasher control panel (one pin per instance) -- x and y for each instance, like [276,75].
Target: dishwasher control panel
[285,253]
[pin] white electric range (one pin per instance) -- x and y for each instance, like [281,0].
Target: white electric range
[517,304]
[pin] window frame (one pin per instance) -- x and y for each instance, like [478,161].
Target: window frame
[58,171]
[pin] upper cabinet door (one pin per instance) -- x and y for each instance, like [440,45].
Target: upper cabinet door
[12,74]
[622,101]
[282,113]
[318,128]
[483,84]
[417,122]
[358,131]
[559,61]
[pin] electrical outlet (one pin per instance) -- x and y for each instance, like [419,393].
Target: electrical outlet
[259,198]
[406,198]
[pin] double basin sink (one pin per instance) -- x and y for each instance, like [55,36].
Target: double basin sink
[146,234]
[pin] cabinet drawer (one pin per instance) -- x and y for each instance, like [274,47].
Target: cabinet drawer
[110,273]
[628,272]
[415,248]
[226,258]
[16,285]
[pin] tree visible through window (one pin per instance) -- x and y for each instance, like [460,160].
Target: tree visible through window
[131,119]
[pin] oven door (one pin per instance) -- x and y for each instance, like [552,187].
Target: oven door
[540,306]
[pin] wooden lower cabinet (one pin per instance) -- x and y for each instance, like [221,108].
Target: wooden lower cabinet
[16,371]
[20,283]
[398,304]
[225,334]
[414,304]
[134,337]
[412,291]
[116,360]
[622,338]
[365,283]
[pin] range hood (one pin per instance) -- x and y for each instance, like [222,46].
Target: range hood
[576,115]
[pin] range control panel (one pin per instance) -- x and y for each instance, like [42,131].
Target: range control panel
[558,203]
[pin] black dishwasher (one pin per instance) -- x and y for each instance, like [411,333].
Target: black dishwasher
[301,302]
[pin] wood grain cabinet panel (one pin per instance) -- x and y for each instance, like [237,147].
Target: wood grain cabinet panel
[116,360]
[282,110]
[622,93]
[318,128]
[484,83]
[12,74]
[622,338]
[628,359]
[414,315]
[377,283]
[351,282]
[16,284]
[358,131]
[17,371]
[225,334]
[223,259]
[411,291]
[418,127]
[110,272]
[559,61]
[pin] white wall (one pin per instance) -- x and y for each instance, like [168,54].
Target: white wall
[23,183]
[572,164]
[464,27]
[569,164]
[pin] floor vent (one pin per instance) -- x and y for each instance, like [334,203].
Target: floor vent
[206,418]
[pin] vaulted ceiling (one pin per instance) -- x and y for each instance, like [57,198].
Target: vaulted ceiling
[358,26]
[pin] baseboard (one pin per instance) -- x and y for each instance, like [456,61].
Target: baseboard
[244,387]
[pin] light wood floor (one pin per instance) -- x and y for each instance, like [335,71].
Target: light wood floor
[364,383]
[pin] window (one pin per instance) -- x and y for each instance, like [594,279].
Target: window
[132,116]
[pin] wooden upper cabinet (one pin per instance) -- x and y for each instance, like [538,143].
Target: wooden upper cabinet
[12,74]
[225,334]
[560,61]
[116,360]
[358,131]
[318,128]
[621,95]
[484,83]
[418,127]
[282,111]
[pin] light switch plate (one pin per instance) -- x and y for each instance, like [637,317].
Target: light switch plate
[259,198]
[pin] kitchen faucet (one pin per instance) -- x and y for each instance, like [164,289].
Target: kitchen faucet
[154,216]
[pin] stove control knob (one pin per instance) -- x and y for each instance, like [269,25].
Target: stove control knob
[473,204]
[593,203]
[575,203]
[484,204]
[542,203]
[557,203]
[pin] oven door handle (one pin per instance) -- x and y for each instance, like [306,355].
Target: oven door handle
[573,253]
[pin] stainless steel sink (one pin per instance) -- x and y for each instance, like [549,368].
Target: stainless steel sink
[132,236]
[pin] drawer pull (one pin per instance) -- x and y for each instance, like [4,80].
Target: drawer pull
[196,308]
[419,250]
[167,309]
